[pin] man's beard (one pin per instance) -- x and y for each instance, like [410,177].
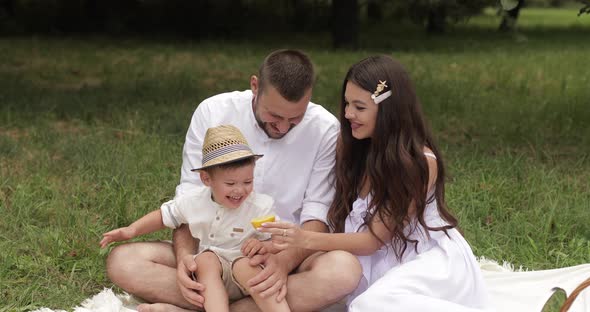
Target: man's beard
[266,125]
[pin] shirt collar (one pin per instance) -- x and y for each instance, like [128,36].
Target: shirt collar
[209,199]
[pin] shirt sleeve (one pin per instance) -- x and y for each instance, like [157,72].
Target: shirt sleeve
[192,151]
[320,190]
[172,215]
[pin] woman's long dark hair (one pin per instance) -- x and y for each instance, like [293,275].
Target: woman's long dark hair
[392,159]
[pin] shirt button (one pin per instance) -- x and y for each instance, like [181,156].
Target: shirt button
[211,235]
[232,235]
[217,218]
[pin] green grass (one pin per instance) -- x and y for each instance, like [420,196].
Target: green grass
[91,134]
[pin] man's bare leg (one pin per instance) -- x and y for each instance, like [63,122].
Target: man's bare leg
[321,280]
[160,307]
[243,272]
[243,305]
[147,270]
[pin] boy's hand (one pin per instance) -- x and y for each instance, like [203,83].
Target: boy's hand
[252,247]
[117,235]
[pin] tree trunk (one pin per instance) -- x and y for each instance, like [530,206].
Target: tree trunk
[374,12]
[299,19]
[437,20]
[345,25]
[95,14]
[8,6]
[510,18]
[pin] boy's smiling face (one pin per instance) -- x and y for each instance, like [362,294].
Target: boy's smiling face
[231,186]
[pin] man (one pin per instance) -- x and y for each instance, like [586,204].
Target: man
[298,140]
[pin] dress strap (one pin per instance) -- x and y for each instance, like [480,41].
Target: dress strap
[429,155]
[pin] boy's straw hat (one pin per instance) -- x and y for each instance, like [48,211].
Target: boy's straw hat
[224,144]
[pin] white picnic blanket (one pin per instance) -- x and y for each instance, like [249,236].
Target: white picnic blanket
[529,290]
[511,290]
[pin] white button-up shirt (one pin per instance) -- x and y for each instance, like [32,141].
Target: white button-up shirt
[296,170]
[222,230]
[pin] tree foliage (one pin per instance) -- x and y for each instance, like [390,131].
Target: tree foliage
[182,17]
[437,14]
[510,13]
[243,18]
[585,8]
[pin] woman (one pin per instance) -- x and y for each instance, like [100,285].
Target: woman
[390,210]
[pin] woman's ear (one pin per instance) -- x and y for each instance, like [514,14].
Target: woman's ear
[205,177]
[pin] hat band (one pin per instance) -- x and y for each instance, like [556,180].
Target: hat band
[225,150]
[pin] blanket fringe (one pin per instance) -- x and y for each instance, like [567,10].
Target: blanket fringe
[493,265]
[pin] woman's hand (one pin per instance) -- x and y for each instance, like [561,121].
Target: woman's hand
[286,235]
[117,235]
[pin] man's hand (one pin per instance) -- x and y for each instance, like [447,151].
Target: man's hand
[189,288]
[269,246]
[252,246]
[272,279]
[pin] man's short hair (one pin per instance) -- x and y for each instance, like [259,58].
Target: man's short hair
[290,72]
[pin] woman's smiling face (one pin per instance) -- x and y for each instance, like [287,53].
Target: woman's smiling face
[360,111]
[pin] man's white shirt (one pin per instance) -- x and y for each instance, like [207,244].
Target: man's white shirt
[296,170]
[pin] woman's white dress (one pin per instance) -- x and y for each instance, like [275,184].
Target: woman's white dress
[442,275]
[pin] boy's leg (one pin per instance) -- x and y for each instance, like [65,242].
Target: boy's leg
[242,272]
[209,272]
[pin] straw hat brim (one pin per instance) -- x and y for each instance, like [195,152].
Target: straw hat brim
[228,158]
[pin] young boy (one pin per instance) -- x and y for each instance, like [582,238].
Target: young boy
[219,216]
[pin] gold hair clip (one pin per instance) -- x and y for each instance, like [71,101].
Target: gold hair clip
[380,86]
[376,96]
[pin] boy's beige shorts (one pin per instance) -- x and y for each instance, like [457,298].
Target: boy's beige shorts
[234,290]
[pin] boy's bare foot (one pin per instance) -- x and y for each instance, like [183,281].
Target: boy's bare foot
[160,307]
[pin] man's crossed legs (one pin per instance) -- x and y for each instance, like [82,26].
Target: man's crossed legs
[148,270]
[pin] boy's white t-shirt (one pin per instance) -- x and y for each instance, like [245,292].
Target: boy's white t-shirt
[222,230]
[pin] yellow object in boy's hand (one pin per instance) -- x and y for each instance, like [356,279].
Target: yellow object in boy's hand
[257,222]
